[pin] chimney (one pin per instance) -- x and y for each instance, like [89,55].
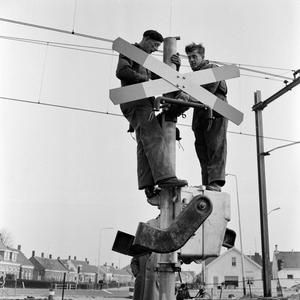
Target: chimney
[19,247]
[58,257]
[74,257]
[276,249]
[33,253]
[42,254]
[112,264]
[50,256]
[69,257]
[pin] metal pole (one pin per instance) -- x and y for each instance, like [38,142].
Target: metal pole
[240,230]
[63,291]
[262,197]
[168,261]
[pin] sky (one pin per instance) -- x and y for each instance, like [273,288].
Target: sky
[67,163]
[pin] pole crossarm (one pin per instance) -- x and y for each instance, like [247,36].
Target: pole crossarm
[179,81]
[261,105]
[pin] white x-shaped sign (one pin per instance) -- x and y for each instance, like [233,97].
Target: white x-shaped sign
[171,80]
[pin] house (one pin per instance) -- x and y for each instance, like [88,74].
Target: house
[227,269]
[115,274]
[286,267]
[80,270]
[25,266]
[14,264]
[9,267]
[47,269]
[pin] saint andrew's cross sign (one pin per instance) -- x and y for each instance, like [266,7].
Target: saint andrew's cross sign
[171,81]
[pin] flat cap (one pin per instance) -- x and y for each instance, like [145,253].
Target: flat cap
[154,35]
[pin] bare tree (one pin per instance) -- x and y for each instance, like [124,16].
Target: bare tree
[6,237]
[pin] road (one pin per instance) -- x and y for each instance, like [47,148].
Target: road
[112,294]
[11,293]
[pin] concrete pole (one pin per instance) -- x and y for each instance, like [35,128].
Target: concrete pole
[168,261]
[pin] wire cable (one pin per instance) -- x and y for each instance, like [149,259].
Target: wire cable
[120,115]
[110,41]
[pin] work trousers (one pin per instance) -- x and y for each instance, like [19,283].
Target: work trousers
[153,163]
[211,149]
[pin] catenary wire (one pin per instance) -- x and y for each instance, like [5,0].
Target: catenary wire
[120,115]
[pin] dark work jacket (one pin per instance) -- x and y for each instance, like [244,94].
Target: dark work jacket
[146,286]
[130,72]
[218,88]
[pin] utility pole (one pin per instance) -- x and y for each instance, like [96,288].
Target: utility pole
[258,108]
[168,261]
[262,198]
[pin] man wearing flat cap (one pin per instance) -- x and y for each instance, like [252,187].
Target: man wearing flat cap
[154,169]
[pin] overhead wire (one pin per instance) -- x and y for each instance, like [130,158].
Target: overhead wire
[89,36]
[56,30]
[85,49]
[120,115]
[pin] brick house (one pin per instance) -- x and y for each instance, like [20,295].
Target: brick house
[47,269]
[26,268]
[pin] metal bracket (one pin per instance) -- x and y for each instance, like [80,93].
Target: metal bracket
[124,244]
[178,233]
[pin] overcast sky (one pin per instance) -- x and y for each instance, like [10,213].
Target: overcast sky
[67,173]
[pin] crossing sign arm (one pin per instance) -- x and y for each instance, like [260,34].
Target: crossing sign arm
[161,86]
[178,80]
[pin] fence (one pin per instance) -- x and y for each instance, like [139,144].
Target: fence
[66,286]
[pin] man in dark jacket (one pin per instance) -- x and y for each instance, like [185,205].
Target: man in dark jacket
[153,164]
[210,143]
[144,269]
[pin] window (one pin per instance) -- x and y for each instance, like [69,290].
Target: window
[6,255]
[231,282]
[233,261]
[290,276]
[215,281]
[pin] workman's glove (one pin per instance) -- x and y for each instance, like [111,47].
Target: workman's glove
[173,111]
[176,60]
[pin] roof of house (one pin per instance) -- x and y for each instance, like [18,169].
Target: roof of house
[85,266]
[3,246]
[50,264]
[117,271]
[23,260]
[290,259]
[212,260]
[128,269]
[95,268]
